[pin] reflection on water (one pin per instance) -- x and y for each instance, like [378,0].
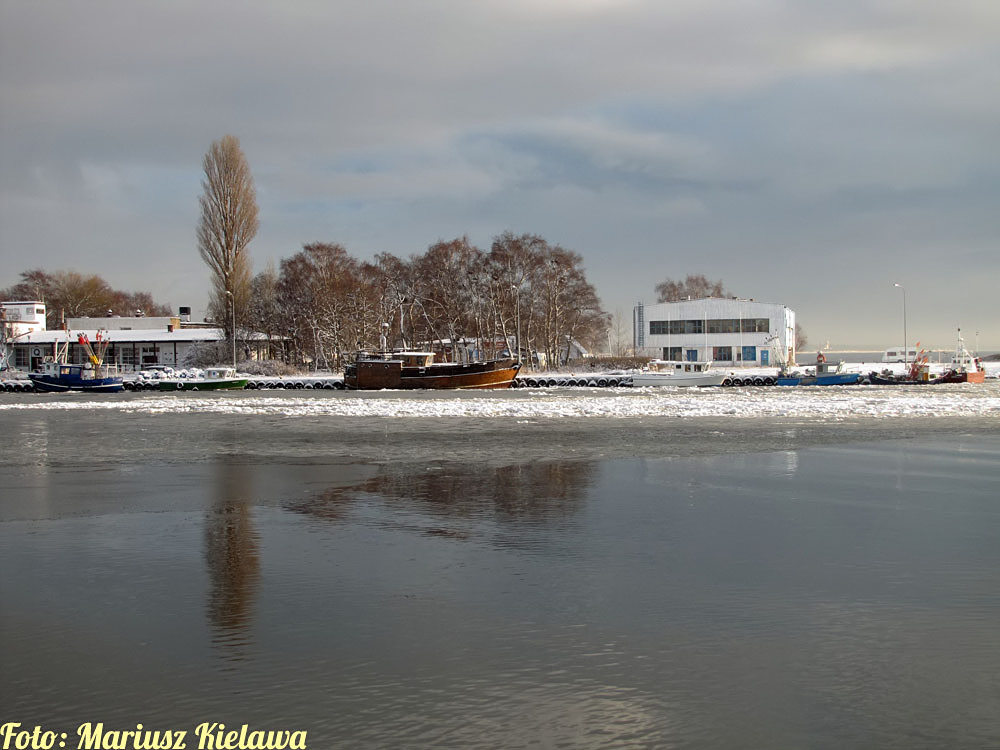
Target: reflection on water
[683,584]
[233,559]
[523,493]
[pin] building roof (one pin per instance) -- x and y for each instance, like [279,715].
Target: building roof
[182,335]
[713,302]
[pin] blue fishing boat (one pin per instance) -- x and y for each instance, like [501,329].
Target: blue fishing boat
[93,376]
[824,373]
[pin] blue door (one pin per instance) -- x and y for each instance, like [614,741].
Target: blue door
[763,357]
[692,355]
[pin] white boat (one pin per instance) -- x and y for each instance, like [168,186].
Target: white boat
[679,374]
[213,379]
[964,367]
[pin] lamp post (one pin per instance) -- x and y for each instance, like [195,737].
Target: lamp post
[232,321]
[906,356]
[517,307]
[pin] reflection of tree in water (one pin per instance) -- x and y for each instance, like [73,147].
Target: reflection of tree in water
[522,493]
[231,552]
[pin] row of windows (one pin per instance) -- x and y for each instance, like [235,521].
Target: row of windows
[712,325]
[719,354]
[746,354]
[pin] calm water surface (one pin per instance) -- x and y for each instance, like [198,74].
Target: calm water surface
[387,582]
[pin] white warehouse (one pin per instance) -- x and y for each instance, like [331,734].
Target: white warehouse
[727,331]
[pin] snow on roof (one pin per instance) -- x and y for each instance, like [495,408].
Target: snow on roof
[182,335]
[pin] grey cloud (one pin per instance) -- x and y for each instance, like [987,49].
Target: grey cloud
[768,144]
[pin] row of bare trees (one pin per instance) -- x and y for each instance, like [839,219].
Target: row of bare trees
[322,304]
[71,294]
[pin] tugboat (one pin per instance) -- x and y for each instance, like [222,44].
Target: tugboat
[93,376]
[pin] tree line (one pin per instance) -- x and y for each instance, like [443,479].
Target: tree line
[321,304]
[75,295]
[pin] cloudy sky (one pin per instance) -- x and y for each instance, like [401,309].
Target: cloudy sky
[805,152]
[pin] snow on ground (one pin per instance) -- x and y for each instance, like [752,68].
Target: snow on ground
[811,403]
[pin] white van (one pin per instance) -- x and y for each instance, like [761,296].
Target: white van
[899,355]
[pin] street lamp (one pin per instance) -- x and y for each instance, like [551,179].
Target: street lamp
[232,321]
[905,349]
[517,307]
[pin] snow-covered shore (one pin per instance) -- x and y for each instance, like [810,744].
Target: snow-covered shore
[539,404]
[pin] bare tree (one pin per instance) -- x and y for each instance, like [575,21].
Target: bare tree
[264,313]
[619,335]
[694,287]
[441,290]
[801,340]
[228,223]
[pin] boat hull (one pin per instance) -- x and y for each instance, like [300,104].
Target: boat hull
[682,380]
[842,378]
[378,374]
[889,380]
[203,385]
[55,384]
[963,376]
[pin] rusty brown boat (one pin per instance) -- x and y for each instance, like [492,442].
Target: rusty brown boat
[418,370]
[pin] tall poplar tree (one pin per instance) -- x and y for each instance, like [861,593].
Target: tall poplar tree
[228,223]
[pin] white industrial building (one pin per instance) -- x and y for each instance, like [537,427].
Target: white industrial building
[136,342]
[728,331]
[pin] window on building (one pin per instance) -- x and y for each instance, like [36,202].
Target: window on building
[712,325]
[722,325]
[722,353]
[749,353]
[672,353]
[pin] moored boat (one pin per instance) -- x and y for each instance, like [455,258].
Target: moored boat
[213,379]
[418,370]
[964,367]
[57,375]
[918,373]
[824,373]
[679,374]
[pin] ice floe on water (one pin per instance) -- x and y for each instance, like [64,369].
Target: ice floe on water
[817,403]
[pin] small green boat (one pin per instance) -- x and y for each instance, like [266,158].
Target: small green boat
[214,379]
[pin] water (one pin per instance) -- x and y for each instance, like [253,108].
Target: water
[777,568]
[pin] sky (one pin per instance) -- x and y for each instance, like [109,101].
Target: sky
[805,152]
